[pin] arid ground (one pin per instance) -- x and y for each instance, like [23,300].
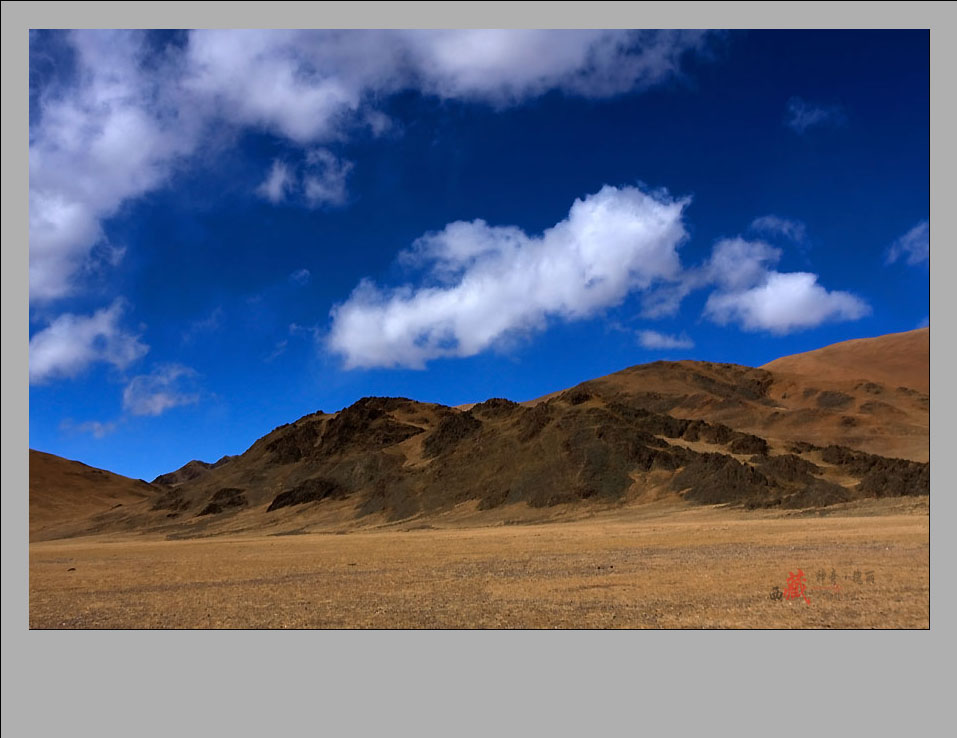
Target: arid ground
[666,565]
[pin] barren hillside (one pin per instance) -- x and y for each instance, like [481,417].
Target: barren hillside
[812,430]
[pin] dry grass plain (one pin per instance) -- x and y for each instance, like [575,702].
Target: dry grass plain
[649,566]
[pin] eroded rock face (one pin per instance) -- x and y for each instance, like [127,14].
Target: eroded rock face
[495,407]
[296,442]
[224,499]
[312,490]
[580,445]
[452,430]
[881,476]
[367,425]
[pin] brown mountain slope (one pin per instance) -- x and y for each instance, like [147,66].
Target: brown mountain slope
[698,431]
[63,492]
[856,401]
[894,360]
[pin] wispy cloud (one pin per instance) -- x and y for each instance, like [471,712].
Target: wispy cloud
[802,115]
[277,183]
[72,342]
[209,324]
[324,181]
[166,387]
[300,276]
[913,246]
[313,331]
[320,180]
[277,351]
[94,428]
[793,230]
[655,340]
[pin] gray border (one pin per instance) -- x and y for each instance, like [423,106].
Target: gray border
[147,682]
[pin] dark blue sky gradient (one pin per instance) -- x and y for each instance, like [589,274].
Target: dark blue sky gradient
[207,245]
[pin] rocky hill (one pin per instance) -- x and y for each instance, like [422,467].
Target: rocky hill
[805,431]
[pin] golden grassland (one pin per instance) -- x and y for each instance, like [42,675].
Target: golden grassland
[650,566]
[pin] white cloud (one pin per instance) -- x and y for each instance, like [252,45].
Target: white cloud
[758,298]
[734,264]
[485,284]
[129,116]
[913,245]
[300,276]
[656,340]
[159,391]
[72,342]
[793,230]
[307,85]
[490,282]
[783,303]
[277,183]
[802,115]
[507,67]
[112,135]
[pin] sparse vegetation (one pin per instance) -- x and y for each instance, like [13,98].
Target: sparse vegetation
[649,566]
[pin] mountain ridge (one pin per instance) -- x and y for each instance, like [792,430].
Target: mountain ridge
[699,432]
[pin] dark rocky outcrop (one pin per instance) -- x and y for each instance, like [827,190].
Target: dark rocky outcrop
[312,490]
[226,498]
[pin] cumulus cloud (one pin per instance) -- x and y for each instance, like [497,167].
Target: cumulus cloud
[793,230]
[734,264]
[913,246]
[483,284]
[72,342]
[99,141]
[305,85]
[783,303]
[166,387]
[121,124]
[752,294]
[489,282]
[802,115]
[506,67]
[656,340]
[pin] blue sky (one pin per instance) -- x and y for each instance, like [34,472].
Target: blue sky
[231,230]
